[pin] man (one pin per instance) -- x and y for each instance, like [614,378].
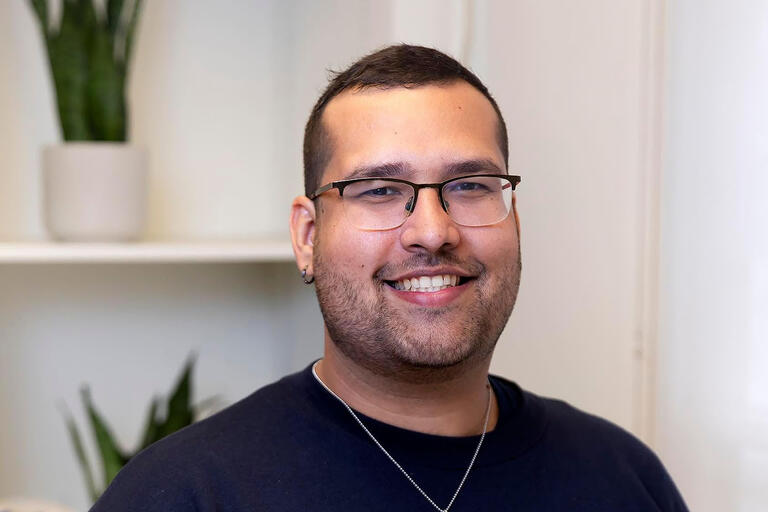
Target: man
[409,231]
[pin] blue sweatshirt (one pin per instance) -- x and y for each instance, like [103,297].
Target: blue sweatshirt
[291,446]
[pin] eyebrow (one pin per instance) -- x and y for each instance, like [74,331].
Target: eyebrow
[385,170]
[398,169]
[479,165]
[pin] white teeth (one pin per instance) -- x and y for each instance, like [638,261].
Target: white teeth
[427,283]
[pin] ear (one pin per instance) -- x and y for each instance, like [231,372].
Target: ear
[303,232]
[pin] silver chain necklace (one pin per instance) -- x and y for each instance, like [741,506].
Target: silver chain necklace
[376,441]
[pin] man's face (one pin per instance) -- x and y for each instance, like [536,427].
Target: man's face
[424,132]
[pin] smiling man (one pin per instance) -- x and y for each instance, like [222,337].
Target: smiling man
[410,233]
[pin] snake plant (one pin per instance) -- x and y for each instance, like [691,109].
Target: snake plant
[89,53]
[178,413]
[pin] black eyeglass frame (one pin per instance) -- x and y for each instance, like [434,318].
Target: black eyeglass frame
[341,185]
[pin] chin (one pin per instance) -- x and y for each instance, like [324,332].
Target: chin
[425,353]
[419,359]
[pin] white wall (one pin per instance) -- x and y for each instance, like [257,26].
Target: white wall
[26,121]
[576,81]
[220,94]
[713,352]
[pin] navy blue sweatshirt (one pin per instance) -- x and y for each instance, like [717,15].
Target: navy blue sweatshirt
[291,446]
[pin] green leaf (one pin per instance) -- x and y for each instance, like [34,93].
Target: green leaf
[88,77]
[77,443]
[111,456]
[180,410]
[105,94]
[152,428]
[114,11]
[68,56]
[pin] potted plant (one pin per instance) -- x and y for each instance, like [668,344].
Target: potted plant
[95,184]
[163,418]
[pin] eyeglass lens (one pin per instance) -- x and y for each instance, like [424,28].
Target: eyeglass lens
[470,201]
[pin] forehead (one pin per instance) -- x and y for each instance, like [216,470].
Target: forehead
[426,127]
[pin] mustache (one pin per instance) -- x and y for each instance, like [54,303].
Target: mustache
[427,260]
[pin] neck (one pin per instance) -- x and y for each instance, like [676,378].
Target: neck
[454,404]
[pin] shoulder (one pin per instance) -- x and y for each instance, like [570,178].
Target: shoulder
[260,414]
[176,472]
[602,450]
[569,424]
[556,421]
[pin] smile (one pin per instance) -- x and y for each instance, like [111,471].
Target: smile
[427,283]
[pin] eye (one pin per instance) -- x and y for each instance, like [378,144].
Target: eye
[376,191]
[380,191]
[468,186]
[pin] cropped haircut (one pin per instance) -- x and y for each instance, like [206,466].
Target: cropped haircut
[394,66]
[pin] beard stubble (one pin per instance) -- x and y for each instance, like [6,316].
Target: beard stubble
[427,343]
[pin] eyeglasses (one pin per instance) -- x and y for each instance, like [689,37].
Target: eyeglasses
[378,204]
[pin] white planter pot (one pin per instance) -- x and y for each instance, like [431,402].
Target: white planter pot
[95,191]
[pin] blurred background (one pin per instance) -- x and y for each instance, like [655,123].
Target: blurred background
[640,129]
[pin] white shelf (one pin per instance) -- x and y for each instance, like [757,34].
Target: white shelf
[256,251]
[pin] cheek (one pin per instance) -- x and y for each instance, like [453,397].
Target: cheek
[496,246]
[351,250]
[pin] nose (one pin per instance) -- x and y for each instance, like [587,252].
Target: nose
[429,227]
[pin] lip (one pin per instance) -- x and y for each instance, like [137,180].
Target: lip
[432,299]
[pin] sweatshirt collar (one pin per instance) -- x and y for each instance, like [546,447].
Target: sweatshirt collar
[521,424]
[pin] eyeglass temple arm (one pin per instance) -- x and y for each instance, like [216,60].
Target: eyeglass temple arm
[324,188]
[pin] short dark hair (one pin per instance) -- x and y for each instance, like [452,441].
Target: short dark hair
[394,66]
